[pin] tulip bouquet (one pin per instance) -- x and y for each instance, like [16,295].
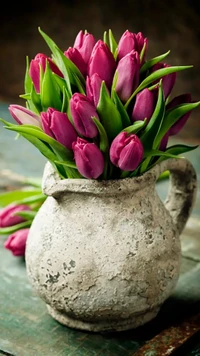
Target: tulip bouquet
[101,109]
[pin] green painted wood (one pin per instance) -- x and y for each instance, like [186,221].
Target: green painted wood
[26,329]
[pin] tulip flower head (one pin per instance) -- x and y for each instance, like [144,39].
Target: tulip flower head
[16,242]
[74,55]
[9,217]
[82,110]
[89,159]
[144,105]
[84,43]
[126,151]
[34,71]
[57,125]
[24,116]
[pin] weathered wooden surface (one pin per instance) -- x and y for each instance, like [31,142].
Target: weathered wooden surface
[26,329]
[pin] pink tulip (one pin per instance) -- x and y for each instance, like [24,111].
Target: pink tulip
[129,42]
[57,125]
[178,100]
[34,70]
[74,55]
[93,88]
[89,159]
[8,215]
[126,151]
[168,81]
[128,70]
[24,116]
[84,43]
[82,110]
[102,62]
[144,104]
[16,242]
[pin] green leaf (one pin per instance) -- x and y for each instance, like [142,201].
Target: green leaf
[9,230]
[120,107]
[109,115]
[67,164]
[172,116]
[177,150]
[105,38]
[27,79]
[35,100]
[103,145]
[66,66]
[32,199]
[12,197]
[57,147]
[27,215]
[112,42]
[158,74]
[142,53]
[153,61]
[50,92]
[136,127]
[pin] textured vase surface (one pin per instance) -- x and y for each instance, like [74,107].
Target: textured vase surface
[105,255]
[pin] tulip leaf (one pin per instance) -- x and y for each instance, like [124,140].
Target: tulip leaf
[50,92]
[27,215]
[67,164]
[55,145]
[66,66]
[39,198]
[27,79]
[152,153]
[9,230]
[71,169]
[112,42]
[153,61]
[142,53]
[103,145]
[172,116]
[120,107]
[35,100]
[176,150]
[158,74]
[11,197]
[60,81]
[137,126]
[109,115]
[105,38]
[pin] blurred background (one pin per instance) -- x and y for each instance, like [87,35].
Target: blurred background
[173,25]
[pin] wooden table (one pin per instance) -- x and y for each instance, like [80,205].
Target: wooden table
[26,329]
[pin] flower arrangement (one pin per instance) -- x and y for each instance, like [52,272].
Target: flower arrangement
[101,109]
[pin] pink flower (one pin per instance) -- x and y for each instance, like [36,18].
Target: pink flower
[89,159]
[84,43]
[126,151]
[8,215]
[74,55]
[24,116]
[16,242]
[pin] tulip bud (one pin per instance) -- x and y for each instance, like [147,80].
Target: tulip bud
[57,125]
[8,215]
[82,111]
[168,80]
[93,88]
[144,105]
[24,116]
[102,62]
[74,56]
[127,43]
[126,151]
[84,43]
[16,242]
[130,41]
[34,70]
[128,75]
[178,100]
[89,159]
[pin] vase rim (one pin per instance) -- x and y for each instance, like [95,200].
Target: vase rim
[53,185]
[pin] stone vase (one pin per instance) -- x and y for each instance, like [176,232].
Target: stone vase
[105,255]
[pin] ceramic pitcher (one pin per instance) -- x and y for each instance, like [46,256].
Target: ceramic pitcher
[105,255]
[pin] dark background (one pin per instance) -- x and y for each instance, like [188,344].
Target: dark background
[173,25]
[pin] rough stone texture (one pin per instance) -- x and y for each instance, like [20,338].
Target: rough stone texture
[105,255]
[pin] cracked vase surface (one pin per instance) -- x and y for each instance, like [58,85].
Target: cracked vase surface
[105,255]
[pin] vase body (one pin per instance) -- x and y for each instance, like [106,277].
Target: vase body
[105,255]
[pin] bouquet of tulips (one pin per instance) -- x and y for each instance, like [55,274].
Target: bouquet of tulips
[101,109]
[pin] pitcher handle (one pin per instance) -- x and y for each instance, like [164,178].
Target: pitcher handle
[182,190]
